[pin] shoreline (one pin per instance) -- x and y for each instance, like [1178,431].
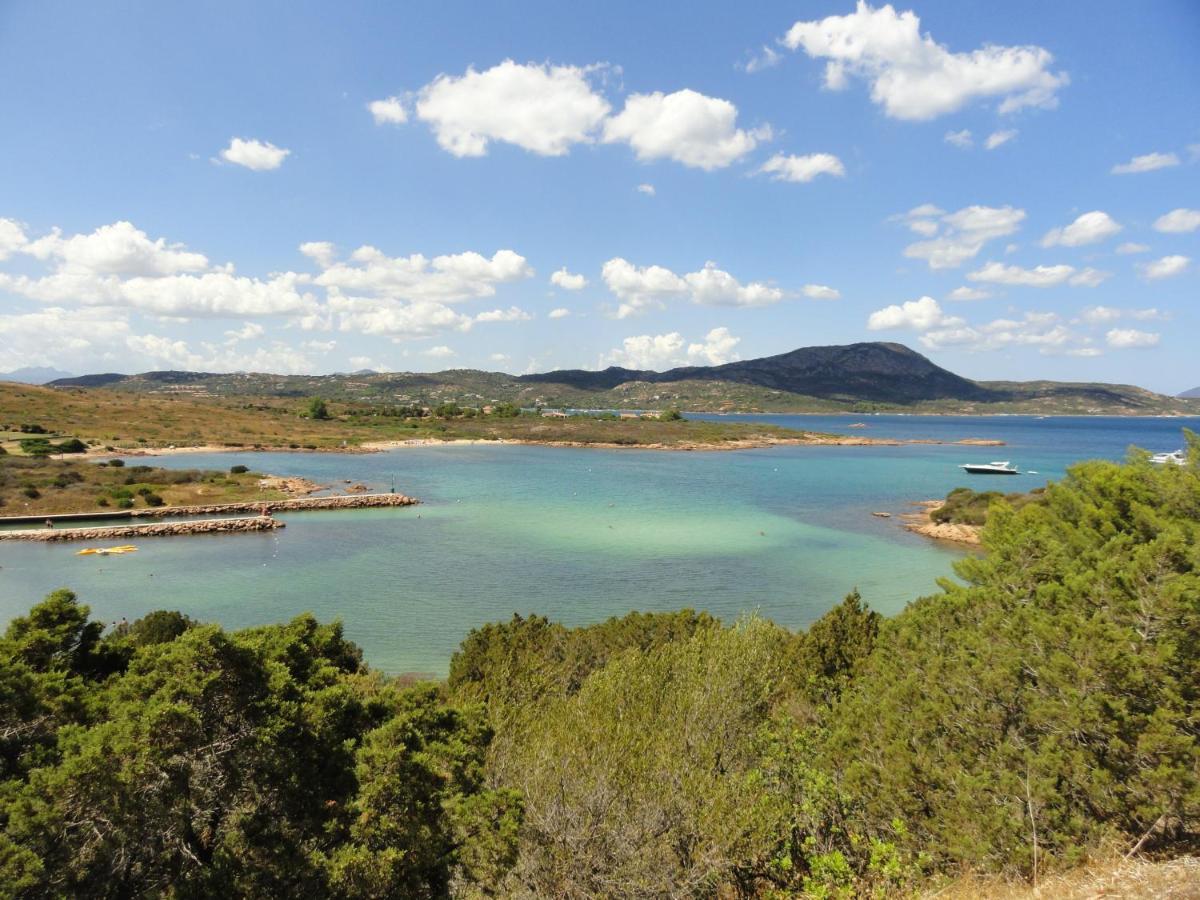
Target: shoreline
[687,446]
[922,523]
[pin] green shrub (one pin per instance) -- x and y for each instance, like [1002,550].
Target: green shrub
[238,470]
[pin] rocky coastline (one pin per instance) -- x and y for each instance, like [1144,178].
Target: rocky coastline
[923,523]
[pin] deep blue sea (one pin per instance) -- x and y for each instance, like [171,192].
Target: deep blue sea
[578,535]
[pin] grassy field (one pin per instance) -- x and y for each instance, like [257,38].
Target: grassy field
[108,421]
[31,486]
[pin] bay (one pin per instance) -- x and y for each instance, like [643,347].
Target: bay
[578,535]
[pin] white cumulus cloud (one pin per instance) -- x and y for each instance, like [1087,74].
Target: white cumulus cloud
[999,138]
[821,292]
[1123,338]
[541,108]
[954,238]
[1146,163]
[568,281]
[1089,228]
[560,312]
[968,293]
[12,238]
[802,168]
[445,279]
[662,351]
[918,315]
[1167,267]
[716,349]
[389,111]
[685,126]
[260,156]
[512,314]
[1038,276]
[1178,221]
[912,76]
[1131,247]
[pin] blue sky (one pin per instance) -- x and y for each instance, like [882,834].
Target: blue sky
[1012,189]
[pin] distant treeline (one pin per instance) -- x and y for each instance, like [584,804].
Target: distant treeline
[1042,708]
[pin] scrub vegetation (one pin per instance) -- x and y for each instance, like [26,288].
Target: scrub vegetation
[1036,717]
[37,485]
[105,421]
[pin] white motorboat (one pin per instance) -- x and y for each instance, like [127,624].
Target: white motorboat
[992,468]
[1175,458]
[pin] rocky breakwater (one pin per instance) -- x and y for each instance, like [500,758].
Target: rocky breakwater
[354,501]
[153,529]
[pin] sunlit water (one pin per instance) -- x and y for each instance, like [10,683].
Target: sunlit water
[577,535]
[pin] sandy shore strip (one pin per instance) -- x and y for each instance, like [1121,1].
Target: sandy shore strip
[811,440]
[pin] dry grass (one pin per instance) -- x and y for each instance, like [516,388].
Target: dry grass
[1177,879]
[123,420]
[72,485]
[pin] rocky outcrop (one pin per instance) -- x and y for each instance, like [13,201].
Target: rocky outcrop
[923,523]
[154,529]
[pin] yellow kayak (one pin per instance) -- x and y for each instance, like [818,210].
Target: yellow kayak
[106,551]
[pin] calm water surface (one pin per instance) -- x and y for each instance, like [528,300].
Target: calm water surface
[577,535]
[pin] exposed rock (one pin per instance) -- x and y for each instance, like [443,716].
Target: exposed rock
[923,523]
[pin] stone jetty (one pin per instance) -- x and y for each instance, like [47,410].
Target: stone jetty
[152,529]
[353,501]
[260,521]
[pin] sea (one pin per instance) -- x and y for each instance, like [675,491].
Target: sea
[580,535]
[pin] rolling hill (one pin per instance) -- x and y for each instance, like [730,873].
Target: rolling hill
[863,377]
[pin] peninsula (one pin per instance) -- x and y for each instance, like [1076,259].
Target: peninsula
[106,422]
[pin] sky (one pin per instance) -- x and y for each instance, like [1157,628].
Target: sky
[1011,189]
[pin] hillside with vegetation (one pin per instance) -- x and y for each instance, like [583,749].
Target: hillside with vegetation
[864,377]
[1040,714]
[45,421]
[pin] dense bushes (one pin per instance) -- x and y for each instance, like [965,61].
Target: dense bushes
[175,758]
[967,507]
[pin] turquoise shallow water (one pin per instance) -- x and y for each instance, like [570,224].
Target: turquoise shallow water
[577,535]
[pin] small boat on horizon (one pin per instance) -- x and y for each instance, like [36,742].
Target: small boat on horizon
[996,467]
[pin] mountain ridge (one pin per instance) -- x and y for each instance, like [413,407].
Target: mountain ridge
[859,377]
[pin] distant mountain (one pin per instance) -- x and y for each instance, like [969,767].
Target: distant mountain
[100,380]
[879,372]
[34,375]
[864,377]
[1193,393]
